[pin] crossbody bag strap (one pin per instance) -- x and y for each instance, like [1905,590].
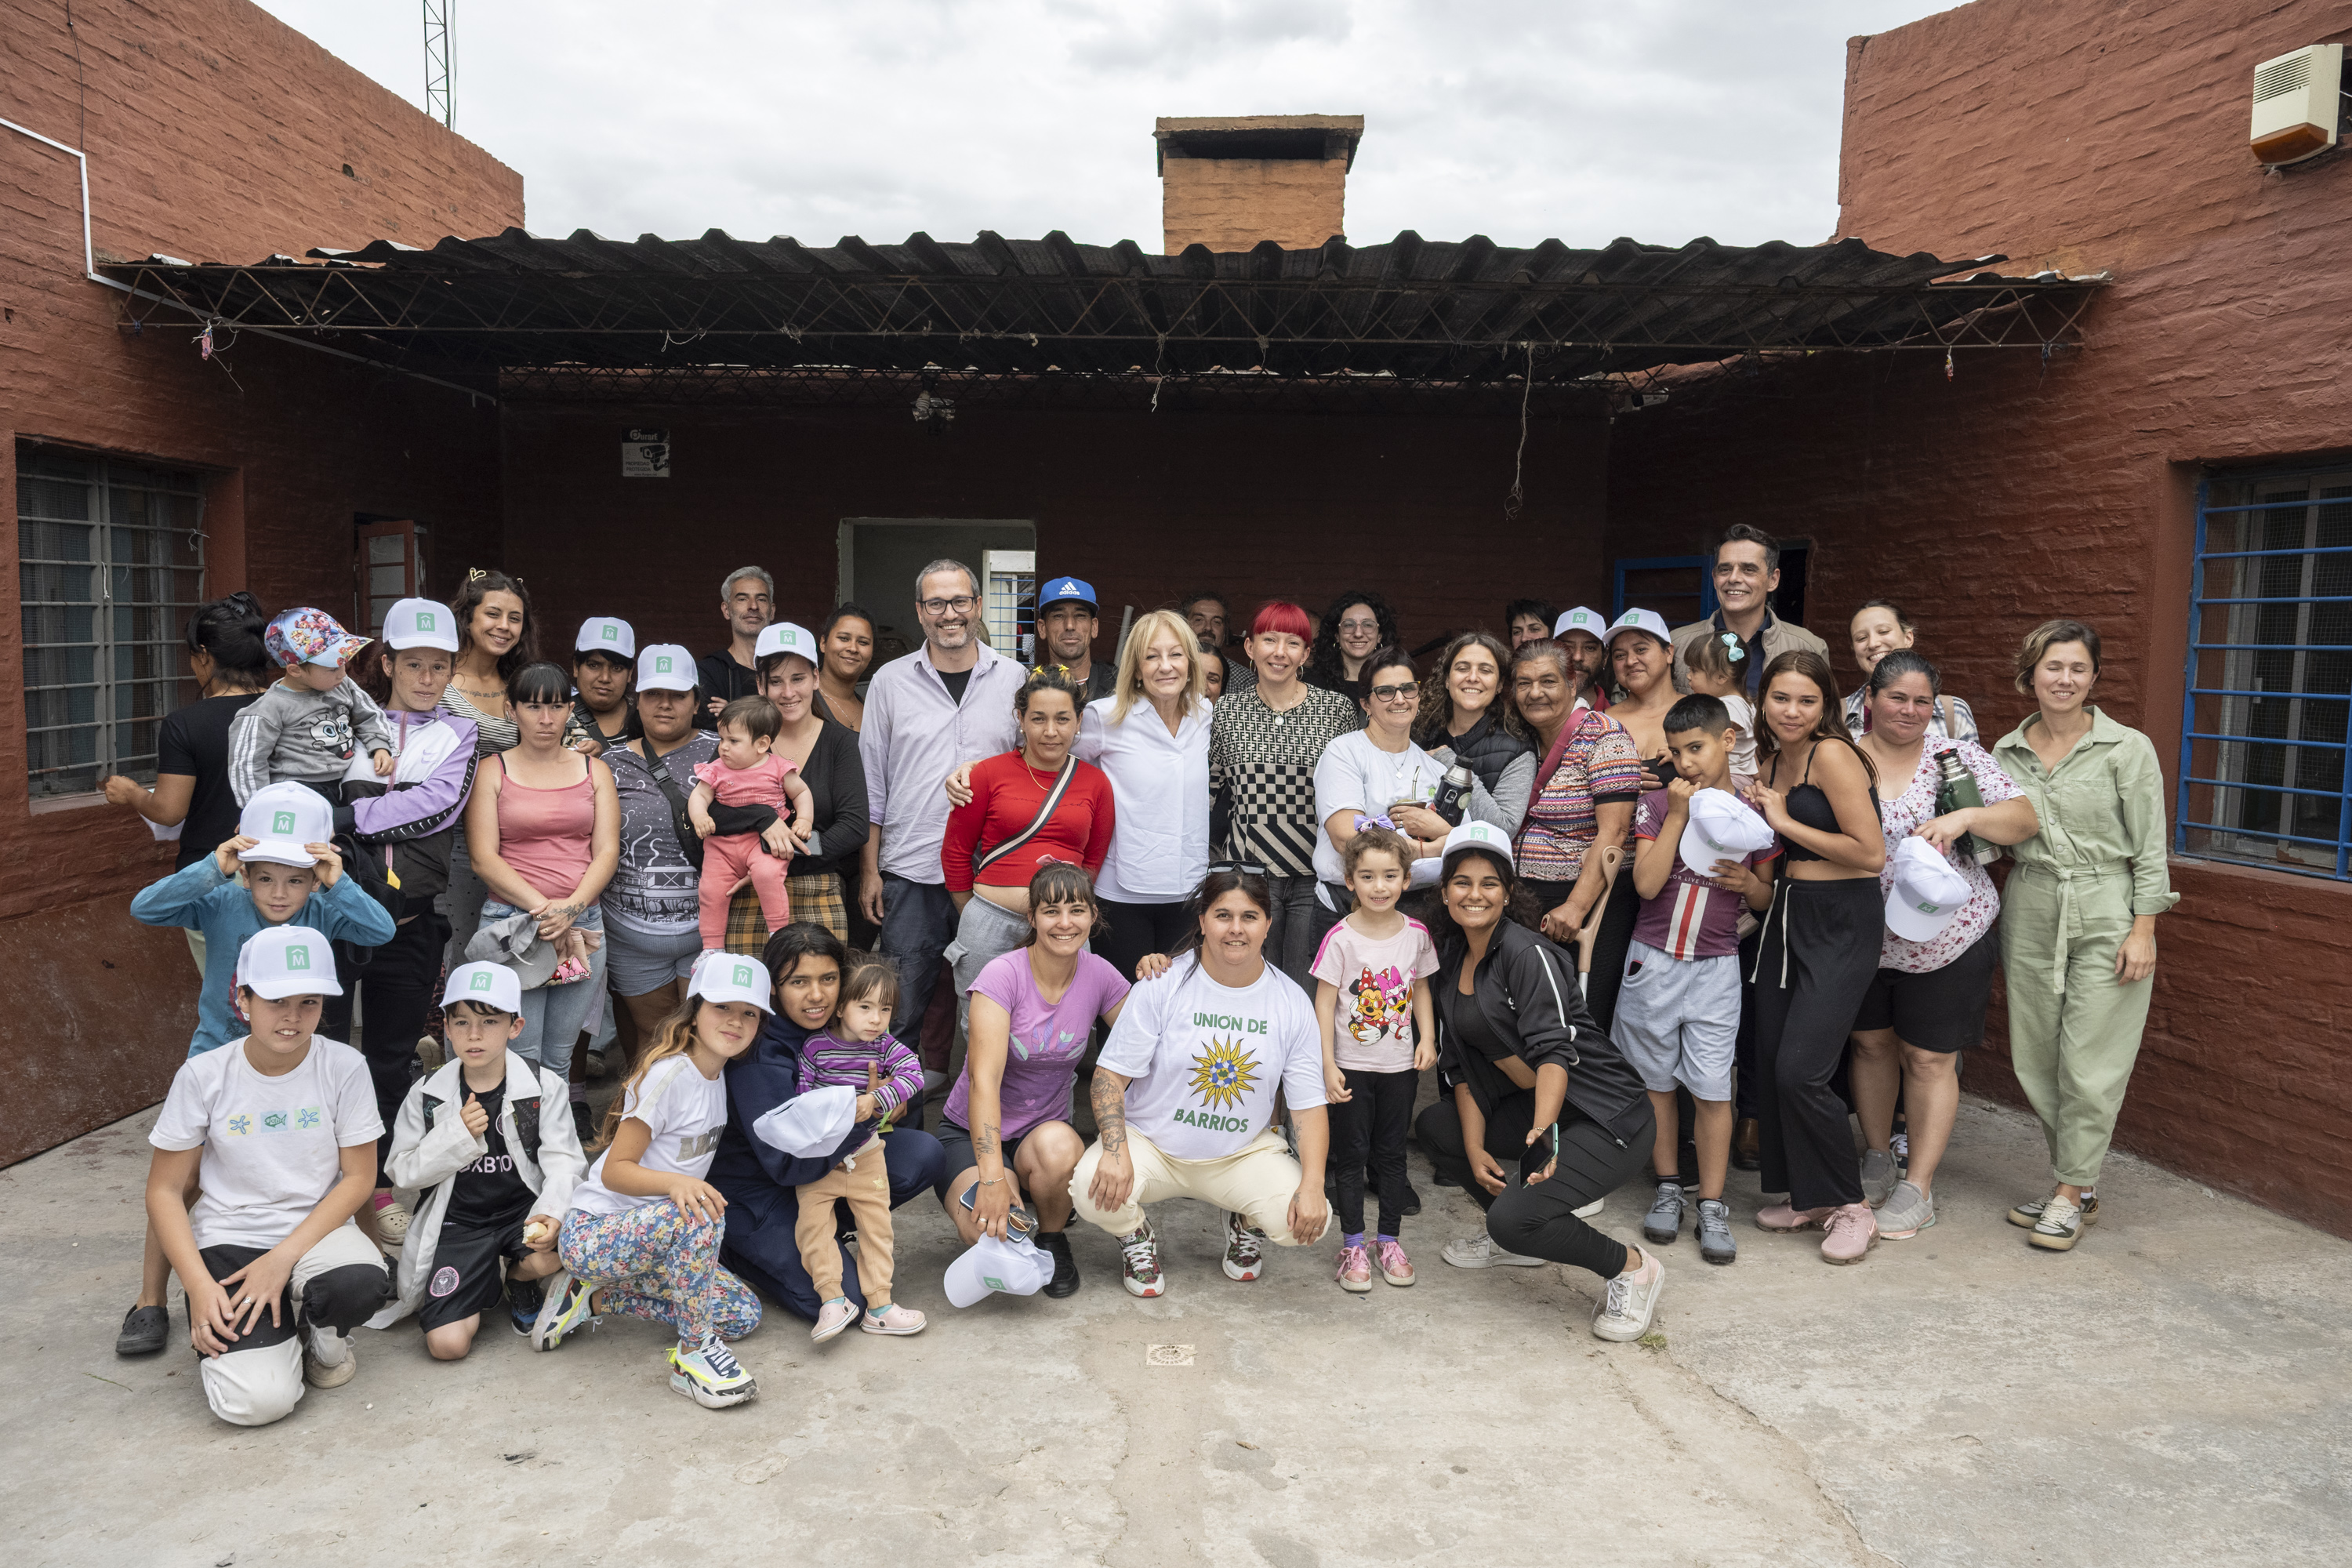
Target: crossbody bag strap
[1045,814]
[682,825]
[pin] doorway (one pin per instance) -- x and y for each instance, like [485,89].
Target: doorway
[880,556]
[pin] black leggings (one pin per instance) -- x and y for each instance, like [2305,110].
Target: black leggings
[1540,1221]
[403,981]
[1818,955]
[1372,1122]
[1137,929]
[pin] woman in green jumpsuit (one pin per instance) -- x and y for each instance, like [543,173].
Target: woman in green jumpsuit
[2078,918]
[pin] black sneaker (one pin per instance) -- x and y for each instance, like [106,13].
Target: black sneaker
[524,1299]
[144,1332]
[1064,1281]
[1443,1179]
[585,1121]
[1412,1203]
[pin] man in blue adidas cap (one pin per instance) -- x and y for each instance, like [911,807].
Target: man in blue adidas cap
[1065,634]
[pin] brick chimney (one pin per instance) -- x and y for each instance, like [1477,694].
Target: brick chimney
[1231,184]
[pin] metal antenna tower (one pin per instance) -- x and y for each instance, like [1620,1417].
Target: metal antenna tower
[437,62]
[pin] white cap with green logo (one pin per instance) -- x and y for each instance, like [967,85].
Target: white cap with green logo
[603,634]
[421,623]
[283,819]
[493,985]
[731,977]
[666,667]
[288,960]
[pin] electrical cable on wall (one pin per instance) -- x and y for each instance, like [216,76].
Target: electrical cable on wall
[1518,498]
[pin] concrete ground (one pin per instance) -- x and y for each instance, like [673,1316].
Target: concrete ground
[2178,1390]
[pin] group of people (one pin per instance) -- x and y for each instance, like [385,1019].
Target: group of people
[1637,896]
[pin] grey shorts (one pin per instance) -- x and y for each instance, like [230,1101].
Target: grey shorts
[983,933]
[1678,1021]
[637,962]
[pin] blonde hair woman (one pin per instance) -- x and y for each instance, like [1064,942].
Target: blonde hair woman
[1150,735]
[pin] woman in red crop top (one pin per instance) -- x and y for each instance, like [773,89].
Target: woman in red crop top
[996,841]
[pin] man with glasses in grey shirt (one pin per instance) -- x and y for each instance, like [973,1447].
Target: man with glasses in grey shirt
[947,704]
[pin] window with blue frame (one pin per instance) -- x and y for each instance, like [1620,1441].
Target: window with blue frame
[2270,674]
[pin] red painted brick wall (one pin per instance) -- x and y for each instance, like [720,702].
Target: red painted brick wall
[1142,505]
[214,132]
[2080,136]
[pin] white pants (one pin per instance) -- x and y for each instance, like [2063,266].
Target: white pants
[255,1386]
[1259,1182]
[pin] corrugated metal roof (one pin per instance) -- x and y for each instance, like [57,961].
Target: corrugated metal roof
[1455,311]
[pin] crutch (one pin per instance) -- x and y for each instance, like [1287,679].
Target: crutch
[1588,936]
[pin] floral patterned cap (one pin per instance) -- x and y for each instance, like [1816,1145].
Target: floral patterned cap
[310,637]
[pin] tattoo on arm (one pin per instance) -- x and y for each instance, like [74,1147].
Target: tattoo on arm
[985,1138]
[1111,1113]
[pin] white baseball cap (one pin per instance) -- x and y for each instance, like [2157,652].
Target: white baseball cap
[731,977]
[1013,1265]
[1927,891]
[602,634]
[783,637]
[1580,619]
[1722,826]
[1648,621]
[809,1125]
[494,985]
[666,667]
[283,818]
[1478,835]
[421,623]
[288,960]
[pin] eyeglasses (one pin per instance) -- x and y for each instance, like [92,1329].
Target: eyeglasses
[960,604]
[1360,625]
[1396,693]
[1235,867]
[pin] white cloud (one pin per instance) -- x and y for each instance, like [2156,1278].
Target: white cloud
[1521,119]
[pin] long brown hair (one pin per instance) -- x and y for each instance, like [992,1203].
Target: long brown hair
[673,1036]
[1830,726]
[480,583]
[1437,702]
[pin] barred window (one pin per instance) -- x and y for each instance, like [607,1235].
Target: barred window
[2270,674]
[110,564]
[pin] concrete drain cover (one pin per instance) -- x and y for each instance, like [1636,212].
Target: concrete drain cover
[1168,1355]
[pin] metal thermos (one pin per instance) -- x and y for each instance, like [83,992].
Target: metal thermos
[1956,791]
[1453,795]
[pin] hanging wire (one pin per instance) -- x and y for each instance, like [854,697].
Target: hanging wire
[1518,498]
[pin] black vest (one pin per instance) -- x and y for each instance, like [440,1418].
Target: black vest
[1486,751]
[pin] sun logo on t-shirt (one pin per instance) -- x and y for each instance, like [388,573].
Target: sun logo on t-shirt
[1223,1074]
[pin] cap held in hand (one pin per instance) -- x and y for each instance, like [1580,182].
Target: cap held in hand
[1722,826]
[1013,1265]
[810,1125]
[283,820]
[288,960]
[1927,891]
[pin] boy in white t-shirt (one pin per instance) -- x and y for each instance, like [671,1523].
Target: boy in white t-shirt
[284,1126]
[1372,1007]
[642,1238]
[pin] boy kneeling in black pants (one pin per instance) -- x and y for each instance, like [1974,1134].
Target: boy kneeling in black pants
[491,1136]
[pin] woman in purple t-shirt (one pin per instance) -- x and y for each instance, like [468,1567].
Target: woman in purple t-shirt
[1007,1119]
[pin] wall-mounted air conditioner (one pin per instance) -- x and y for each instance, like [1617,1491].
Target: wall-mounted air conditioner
[2299,104]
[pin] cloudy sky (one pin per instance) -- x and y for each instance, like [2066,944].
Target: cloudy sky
[1517,119]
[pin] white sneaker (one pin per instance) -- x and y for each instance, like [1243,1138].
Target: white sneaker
[1479,1251]
[1627,1306]
[1588,1210]
[711,1375]
[329,1360]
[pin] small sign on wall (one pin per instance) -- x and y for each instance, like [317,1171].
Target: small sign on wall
[645,454]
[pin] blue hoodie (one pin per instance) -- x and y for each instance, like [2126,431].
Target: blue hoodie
[199,897]
[745,1170]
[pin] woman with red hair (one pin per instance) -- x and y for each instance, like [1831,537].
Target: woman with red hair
[1265,742]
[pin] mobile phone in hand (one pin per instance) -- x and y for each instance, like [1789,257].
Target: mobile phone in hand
[1016,1218]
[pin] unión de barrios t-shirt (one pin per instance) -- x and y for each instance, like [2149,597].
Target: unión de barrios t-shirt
[687,1112]
[273,1146]
[1206,1059]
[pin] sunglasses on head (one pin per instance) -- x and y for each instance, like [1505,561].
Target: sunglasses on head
[1236,868]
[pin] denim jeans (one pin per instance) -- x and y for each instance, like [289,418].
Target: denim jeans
[554,1015]
[1300,924]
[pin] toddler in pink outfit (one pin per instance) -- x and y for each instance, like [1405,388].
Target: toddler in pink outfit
[747,774]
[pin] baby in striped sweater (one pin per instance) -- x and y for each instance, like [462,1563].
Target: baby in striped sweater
[858,1051]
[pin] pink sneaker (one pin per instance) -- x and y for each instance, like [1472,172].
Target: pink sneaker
[1853,1232]
[1783,1218]
[1395,1267]
[1355,1269]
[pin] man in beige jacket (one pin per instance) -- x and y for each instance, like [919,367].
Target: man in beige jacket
[1746,570]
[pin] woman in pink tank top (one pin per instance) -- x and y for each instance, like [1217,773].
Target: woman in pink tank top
[544,831]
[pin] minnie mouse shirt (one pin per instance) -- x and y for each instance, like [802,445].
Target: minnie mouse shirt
[1371,1027]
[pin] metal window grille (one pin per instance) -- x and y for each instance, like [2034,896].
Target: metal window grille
[1010,601]
[2270,674]
[111,562]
